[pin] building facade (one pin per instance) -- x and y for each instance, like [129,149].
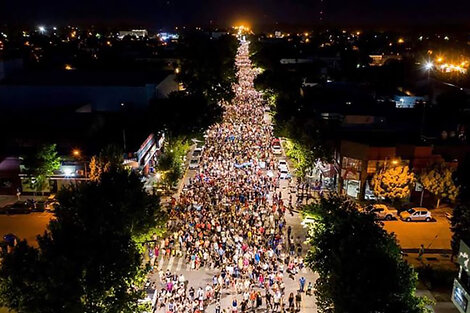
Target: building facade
[461,288]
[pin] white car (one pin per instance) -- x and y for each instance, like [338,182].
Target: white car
[277,149]
[284,173]
[196,153]
[382,212]
[282,164]
[194,164]
[416,214]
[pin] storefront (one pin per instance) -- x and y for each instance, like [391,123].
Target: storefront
[351,175]
[146,156]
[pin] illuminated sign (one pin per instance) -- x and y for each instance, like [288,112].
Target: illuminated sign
[460,299]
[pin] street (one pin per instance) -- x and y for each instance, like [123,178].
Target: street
[231,236]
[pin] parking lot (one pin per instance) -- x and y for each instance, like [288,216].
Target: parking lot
[433,235]
[25,226]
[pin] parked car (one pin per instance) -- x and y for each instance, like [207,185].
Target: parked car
[194,164]
[197,152]
[10,238]
[284,173]
[282,164]
[382,212]
[416,214]
[19,207]
[38,206]
[277,149]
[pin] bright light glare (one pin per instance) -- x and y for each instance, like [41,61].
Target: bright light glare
[68,171]
[42,29]
[428,65]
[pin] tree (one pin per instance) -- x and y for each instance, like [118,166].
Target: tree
[41,165]
[110,157]
[95,168]
[170,163]
[460,226]
[439,181]
[393,182]
[183,114]
[89,259]
[359,264]
[208,65]
[460,221]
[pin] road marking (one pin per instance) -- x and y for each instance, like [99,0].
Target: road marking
[160,263]
[170,264]
[180,263]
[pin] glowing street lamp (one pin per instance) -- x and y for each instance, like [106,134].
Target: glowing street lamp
[428,66]
[42,29]
[76,152]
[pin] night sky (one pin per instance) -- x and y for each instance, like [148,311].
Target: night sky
[157,13]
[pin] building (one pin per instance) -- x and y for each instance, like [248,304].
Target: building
[139,33]
[358,161]
[381,59]
[145,156]
[461,289]
[9,170]
[407,101]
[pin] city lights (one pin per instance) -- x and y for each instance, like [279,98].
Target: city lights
[449,65]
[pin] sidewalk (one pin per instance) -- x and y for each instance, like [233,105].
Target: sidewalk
[440,306]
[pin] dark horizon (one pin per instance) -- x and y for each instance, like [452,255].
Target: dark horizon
[258,13]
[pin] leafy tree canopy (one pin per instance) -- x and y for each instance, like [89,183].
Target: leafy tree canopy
[393,182]
[359,264]
[208,65]
[89,259]
[41,165]
[438,180]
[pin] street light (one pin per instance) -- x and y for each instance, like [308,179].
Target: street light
[77,154]
[428,66]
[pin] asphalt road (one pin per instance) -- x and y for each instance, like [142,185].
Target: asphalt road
[25,226]
[433,235]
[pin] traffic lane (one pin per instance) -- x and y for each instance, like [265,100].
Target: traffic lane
[411,235]
[25,226]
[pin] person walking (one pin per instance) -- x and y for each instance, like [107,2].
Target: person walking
[302,283]
[421,252]
[291,302]
[298,300]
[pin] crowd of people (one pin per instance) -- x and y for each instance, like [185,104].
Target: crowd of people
[231,216]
